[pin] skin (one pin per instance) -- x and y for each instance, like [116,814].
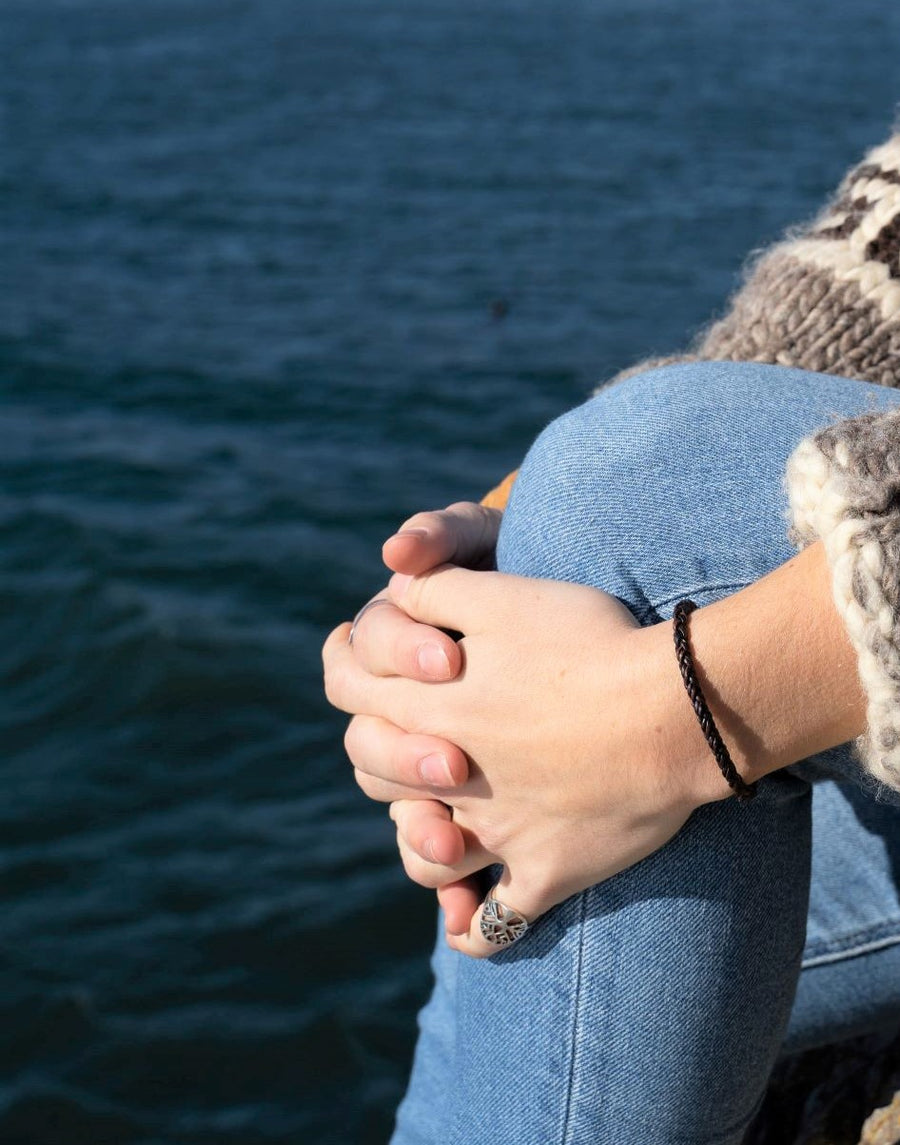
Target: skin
[555,737]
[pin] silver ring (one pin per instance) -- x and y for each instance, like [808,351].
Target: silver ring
[500,924]
[362,612]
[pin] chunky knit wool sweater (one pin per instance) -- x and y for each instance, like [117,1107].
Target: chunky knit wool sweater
[827,299]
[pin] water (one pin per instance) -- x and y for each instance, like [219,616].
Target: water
[248,254]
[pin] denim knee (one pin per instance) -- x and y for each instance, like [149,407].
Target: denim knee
[670,482]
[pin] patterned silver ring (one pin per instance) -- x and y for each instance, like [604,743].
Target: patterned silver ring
[500,924]
[362,612]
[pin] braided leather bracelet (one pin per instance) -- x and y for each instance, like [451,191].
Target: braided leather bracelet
[744,791]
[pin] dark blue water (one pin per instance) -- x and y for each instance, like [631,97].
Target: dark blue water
[248,255]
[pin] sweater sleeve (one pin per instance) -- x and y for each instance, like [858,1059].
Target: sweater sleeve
[844,488]
[827,299]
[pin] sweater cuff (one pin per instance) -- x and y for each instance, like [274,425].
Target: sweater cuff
[844,488]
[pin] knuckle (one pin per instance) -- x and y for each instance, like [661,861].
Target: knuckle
[418,870]
[418,592]
[363,781]
[331,686]
[423,520]
[406,812]
[415,830]
[351,740]
[467,514]
[371,786]
[472,516]
[336,685]
[372,619]
[335,637]
[401,650]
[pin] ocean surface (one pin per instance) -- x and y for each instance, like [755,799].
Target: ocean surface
[276,274]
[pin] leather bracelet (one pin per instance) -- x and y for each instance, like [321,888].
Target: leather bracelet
[744,791]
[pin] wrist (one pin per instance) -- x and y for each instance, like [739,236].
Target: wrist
[778,674]
[678,751]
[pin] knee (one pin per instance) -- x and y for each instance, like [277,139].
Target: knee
[635,445]
[595,479]
[650,468]
[652,426]
[666,422]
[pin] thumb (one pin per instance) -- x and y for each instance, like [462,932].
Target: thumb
[462,534]
[502,920]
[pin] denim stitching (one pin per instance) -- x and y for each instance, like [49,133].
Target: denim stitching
[855,942]
[844,955]
[576,1021]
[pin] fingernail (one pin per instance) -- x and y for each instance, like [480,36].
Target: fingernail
[435,770]
[411,533]
[432,661]
[428,848]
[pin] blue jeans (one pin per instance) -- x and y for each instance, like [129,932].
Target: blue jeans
[652,1007]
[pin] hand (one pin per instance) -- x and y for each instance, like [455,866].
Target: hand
[575,772]
[388,642]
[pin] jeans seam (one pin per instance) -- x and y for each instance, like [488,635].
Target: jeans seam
[576,1023]
[861,941]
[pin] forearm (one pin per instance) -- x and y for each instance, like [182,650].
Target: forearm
[776,668]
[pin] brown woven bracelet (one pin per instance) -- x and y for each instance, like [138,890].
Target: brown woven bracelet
[744,791]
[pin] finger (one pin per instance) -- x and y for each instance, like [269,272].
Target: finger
[409,704]
[383,791]
[336,639]
[459,902]
[512,893]
[338,665]
[426,827]
[450,597]
[462,534]
[428,873]
[434,850]
[387,642]
[353,690]
[382,750]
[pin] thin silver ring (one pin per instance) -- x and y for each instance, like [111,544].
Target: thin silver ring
[500,924]
[362,612]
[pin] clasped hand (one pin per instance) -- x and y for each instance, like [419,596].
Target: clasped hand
[529,742]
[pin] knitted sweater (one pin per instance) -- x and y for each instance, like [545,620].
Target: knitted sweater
[827,299]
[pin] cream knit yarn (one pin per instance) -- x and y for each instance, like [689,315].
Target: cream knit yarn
[844,486]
